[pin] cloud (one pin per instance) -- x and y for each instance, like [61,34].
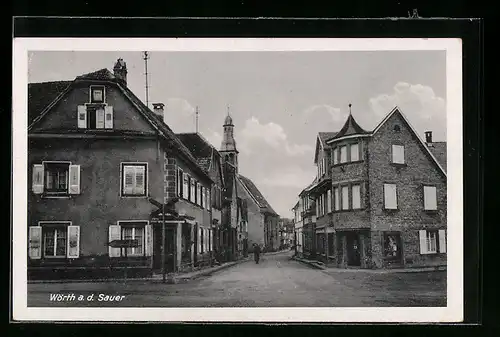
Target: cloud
[335,114]
[419,103]
[213,137]
[255,136]
[294,176]
[179,114]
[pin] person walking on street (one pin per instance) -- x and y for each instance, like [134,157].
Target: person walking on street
[256,253]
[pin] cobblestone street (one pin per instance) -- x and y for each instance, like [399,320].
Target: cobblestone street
[277,281]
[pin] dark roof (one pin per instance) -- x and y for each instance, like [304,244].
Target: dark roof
[438,149]
[105,74]
[324,136]
[254,191]
[42,94]
[350,127]
[199,147]
[99,75]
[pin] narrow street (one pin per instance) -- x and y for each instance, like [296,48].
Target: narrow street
[276,281]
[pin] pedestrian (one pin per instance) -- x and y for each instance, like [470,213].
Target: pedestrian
[256,252]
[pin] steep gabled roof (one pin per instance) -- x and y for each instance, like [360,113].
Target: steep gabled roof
[151,117]
[256,195]
[321,142]
[351,127]
[40,95]
[199,147]
[426,148]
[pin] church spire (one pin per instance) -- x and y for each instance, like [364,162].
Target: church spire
[228,147]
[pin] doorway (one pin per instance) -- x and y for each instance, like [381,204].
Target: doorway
[353,250]
[169,247]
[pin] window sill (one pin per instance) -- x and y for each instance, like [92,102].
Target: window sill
[398,165]
[132,196]
[56,196]
[431,211]
[347,163]
[348,210]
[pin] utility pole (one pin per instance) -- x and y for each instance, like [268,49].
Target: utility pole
[197,117]
[146,58]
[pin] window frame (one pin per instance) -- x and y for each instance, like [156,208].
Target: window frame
[54,224]
[180,183]
[122,179]
[396,196]
[428,233]
[352,196]
[130,223]
[357,152]
[91,94]
[46,191]
[346,154]
[342,198]
[393,152]
[435,197]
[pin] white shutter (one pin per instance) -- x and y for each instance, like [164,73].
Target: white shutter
[114,234]
[35,242]
[356,196]
[198,233]
[73,242]
[329,200]
[108,117]
[74,179]
[442,241]
[390,196]
[99,118]
[430,200]
[128,179]
[149,240]
[82,117]
[336,196]
[354,152]
[398,154]
[345,197]
[140,176]
[37,182]
[423,241]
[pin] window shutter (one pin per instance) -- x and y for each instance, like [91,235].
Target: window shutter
[99,118]
[140,176]
[114,234]
[149,240]
[430,201]
[82,117]
[35,242]
[442,241]
[128,179]
[199,239]
[423,241]
[390,196]
[108,118]
[74,179]
[37,182]
[398,154]
[73,242]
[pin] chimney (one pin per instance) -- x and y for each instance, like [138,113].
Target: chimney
[428,137]
[158,110]
[120,71]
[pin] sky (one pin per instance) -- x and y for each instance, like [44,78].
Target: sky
[279,101]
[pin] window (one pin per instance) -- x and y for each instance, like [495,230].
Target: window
[432,241]
[345,197]
[202,196]
[134,232]
[343,154]
[97,94]
[325,202]
[355,152]
[430,199]
[336,198]
[54,241]
[202,240]
[398,154]
[95,116]
[134,179]
[56,178]
[356,196]
[185,186]
[58,239]
[192,193]
[390,196]
[329,201]
[392,247]
[180,180]
[335,156]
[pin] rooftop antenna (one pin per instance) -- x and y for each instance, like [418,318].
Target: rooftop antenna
[197,114]
[146,58]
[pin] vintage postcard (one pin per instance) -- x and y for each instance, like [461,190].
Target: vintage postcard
[237,180]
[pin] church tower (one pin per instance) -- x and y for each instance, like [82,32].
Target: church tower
[228,147]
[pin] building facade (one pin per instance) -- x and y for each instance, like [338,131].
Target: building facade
[380,196]
[103,172]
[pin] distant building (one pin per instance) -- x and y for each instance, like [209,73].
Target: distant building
[380,196]
[286,231]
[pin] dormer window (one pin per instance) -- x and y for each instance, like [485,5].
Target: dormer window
[97,94]
[95,116]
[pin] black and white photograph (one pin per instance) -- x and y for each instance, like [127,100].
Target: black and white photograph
[238,179]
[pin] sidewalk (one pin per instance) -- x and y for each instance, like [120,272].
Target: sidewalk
[321,266]
[171,278]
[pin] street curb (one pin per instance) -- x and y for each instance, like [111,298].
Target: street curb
[370,271]
[171,278]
